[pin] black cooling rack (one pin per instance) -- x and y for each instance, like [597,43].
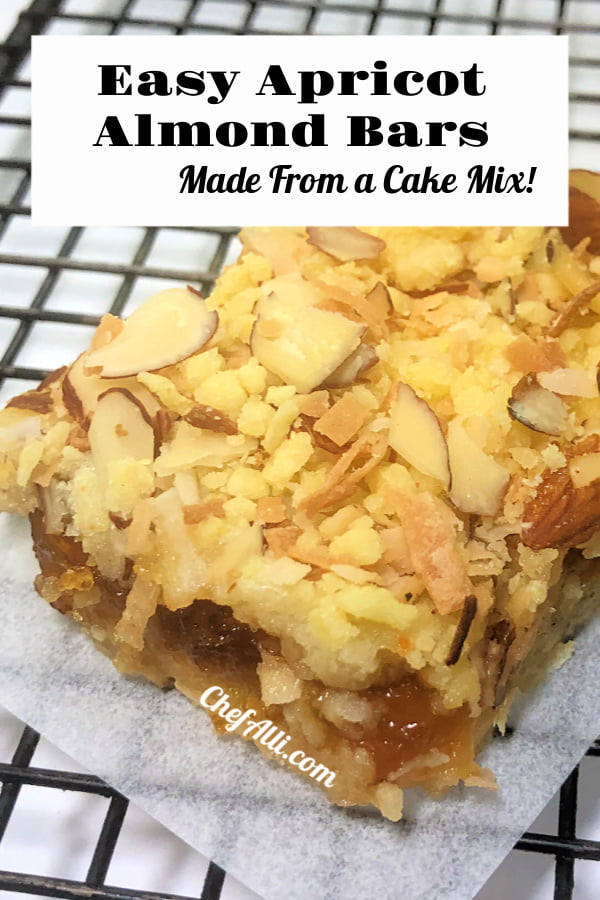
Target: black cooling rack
[577,17]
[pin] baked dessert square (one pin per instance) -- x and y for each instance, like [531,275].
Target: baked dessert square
[349,503]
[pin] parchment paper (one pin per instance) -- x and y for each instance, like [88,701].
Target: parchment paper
[259,821]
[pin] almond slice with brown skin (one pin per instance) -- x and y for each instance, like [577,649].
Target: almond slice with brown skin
[345,243]
[537,408]
[416,434]
[171,326]
[81,389]
[359,362]
[560,513]
[120,428]
[201,416]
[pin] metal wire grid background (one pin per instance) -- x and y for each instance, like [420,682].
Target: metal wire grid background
[57,292]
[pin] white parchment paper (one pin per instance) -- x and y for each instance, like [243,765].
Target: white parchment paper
[261,822]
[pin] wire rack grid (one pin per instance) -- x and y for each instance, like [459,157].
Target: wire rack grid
[57,284]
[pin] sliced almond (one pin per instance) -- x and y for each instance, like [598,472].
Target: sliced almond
[537,408]
[82,388]
[283,248]
[171,326]
[561,514]
[570,382]
[120,428]
[18,427]
[38,401]
[416,434]
[201,416]
[302,345]
[192,446]
[52,378]
[462,630]
[478,481]
[349,372]
[345,243]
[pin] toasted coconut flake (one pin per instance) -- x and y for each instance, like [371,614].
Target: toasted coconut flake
[317,557]
[320,440]
[280,540]
[462,630]
[314,404]
[139,530]
[347,472]
[198,512]
[345,243]
[526,355]
[343,420]
[140,606]
[396,549]
[430,531]
[537,408]
[577,304]
[270,510]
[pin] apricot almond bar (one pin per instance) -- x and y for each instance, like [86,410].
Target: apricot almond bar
[356,489]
